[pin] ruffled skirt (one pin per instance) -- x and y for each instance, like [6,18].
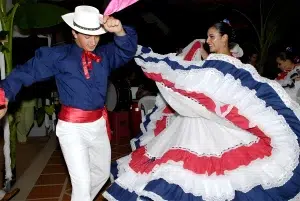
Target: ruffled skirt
[234,137]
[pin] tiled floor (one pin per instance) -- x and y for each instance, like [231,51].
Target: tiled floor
[54,184]
[25,154]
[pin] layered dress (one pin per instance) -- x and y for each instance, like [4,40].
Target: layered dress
[233,136]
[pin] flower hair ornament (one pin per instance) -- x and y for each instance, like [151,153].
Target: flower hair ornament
[226,21]
[289,49]
[296,58]
[237,51]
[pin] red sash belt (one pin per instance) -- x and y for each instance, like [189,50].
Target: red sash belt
[2,97]
[74,115]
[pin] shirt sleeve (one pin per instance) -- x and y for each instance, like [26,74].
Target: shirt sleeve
[122,50]
[39,68]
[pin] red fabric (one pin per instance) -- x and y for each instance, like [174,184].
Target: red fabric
[2,97]
[162,123]
[160,126]
[105,116]
[74,115]
[282,75]
[191,53]
[230,160]
[87,58]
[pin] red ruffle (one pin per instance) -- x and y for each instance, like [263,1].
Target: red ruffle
[230,160]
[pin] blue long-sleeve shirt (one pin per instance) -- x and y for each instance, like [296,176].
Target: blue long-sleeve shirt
[64,63]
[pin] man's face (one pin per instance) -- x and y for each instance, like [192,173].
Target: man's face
[86,42]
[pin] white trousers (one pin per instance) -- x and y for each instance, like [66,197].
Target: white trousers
[87,152]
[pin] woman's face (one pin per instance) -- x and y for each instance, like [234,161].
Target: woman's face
[215,41]
[284,65]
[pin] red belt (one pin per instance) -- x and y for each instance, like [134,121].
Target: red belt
[74,115]
[2,97]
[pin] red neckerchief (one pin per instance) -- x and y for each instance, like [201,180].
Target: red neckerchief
[86,59]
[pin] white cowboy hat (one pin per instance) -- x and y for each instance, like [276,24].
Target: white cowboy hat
[86,20]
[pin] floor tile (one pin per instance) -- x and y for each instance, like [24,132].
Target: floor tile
[51,179]
[45,192]
[57,153]
[56,160]
[51,182]
[50,169]
[44,199]
[66,197]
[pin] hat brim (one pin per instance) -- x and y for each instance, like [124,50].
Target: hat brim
[68,18]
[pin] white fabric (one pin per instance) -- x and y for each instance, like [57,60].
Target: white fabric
[148,130]
[293,92]
[268,172]
[204,133]
[147,102]
[87,152]
[87,17]
[5,124]
[297,198]
[6,149]
[237,51]
[161,104]
[187,49]
[287,79]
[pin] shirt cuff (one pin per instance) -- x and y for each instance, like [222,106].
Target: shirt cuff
[129,33]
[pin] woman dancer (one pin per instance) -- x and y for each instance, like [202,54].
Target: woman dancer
[234,138]
[288,63]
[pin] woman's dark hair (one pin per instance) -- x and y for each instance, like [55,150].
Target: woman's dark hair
[288,54]
[224,27]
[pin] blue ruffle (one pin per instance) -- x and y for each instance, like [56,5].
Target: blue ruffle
[173,192]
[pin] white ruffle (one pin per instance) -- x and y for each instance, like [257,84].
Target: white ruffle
[148,131]
[237,63]
[296,198]
[294,92]
[269,172]
[277,87]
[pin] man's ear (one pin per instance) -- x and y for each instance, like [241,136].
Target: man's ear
[74,34]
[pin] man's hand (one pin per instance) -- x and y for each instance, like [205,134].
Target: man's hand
[3,109]
[113,25]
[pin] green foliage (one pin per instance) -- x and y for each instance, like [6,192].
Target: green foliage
[3,35]
[38,15]
[272,15]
